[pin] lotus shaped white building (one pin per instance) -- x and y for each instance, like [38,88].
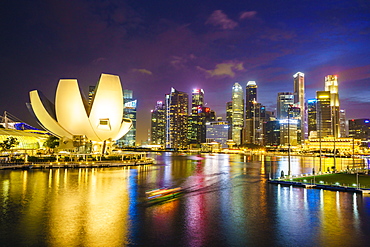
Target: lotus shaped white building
[101,120]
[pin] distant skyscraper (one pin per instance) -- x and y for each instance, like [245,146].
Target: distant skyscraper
[284,101]
[343,127]
[197,101]
[176,119]
[129,112]
[331,85]
[360,129]
[196,121]
[324,116]
[229,117]
[250,98]
[312,115]
[217,131]
[158,124]
[238,113]
[299,101]
[91,93]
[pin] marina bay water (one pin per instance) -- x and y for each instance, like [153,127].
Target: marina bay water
[226,202]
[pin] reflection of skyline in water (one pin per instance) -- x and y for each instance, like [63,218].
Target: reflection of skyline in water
[226,202]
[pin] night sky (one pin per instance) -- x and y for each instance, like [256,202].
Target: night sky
[156,45]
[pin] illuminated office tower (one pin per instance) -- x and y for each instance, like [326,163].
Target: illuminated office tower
[237,113]
[331,85]
[360,129]
[176,119]
[343,127]
[250,98]
[129,111]
[196,121]
[91,93]
[284,101]
[197,101]
[229,118]
[312,116]
[217,131]
[158,124]
[299,101]
[324,114]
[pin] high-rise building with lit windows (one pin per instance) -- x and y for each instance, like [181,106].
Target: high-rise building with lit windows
[284,101]
[299,101]
[158,124]
[312,116]
[331,85]
[229,118]
[324,114]
[250,98]
[196,121]
[237,113]
[343,127]
[129,112]
[360,129]
[176,120]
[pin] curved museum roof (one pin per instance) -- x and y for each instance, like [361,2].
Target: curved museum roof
[100,120]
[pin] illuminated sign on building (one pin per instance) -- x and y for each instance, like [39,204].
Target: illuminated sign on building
[131,104]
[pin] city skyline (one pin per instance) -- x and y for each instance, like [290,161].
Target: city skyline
[156,46]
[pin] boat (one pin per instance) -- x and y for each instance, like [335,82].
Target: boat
[163,194]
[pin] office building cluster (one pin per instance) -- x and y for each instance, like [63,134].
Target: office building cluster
[296,122]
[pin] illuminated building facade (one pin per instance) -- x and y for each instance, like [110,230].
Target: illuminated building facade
[158,124]
[360,129]
[237,113]
[331,85]
[100,122]
[217,131]
[272,133]
[229,117]
[311,116]
[250,98]
[324,114]
[196,121]
[343,127]
[129,140]
[176,120]
[299,101]
[284,101]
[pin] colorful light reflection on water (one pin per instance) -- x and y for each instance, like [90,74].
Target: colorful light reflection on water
[227,202]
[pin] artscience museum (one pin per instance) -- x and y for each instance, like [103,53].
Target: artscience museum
[75,120]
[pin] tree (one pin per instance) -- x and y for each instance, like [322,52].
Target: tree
[9,143]
[52,142]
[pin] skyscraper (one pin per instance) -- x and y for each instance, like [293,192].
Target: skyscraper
[311,116]
[196,121]
[129,112]
[197,101]
[284,101]
[342,123]
[331,85]
[237,113]
[324,115]
[176,119]
[250,98]
[299,101]
[229,118]
[158,124]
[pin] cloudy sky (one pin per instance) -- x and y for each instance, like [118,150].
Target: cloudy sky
[156,45]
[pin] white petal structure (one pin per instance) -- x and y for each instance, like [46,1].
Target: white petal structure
[100,121]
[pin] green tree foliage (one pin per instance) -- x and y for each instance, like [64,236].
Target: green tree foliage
[9,143]
[51,142]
